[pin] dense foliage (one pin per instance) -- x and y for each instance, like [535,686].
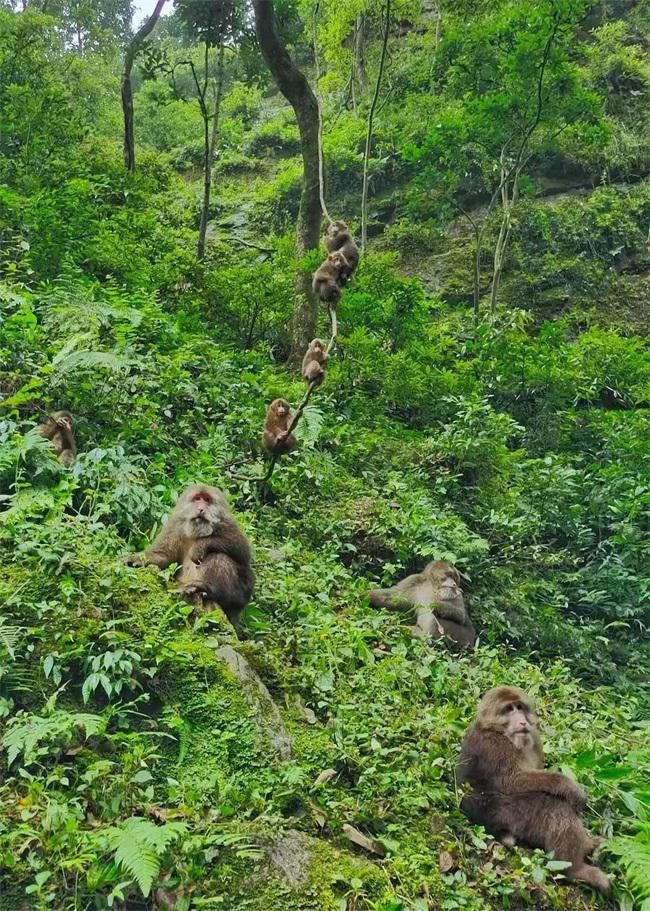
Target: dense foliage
[512,439]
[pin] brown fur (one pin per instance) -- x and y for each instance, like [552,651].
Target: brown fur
[203,537]
[276,424]
[513,797]
[313,363]
[58,430]
[327,278]
[338,237]
[438,601]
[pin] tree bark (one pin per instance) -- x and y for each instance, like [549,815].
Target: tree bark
[127,90]
[210,148]
[371,116]
[296,89]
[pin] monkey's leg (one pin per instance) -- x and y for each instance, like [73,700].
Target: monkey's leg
[427,624]
[563,832]
[389,599]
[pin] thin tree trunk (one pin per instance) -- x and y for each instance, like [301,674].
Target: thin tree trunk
[371,115]
[296,89]
[210,148]
[359,67]
[127,91]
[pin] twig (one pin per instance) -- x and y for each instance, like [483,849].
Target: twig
[371,115]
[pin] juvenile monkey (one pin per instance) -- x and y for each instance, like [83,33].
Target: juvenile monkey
[203,537]
[326,283]
[438,601]
[338,238]
[513,796]
[58,430]
[276,425]
[313,363]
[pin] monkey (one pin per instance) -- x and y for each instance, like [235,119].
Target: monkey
[513,796]
[58,430]
[435,594]
[213,553]
[276,425]
[313,363]
[326,283]
[338,237]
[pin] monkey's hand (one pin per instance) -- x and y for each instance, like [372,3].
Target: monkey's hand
[575,796]
[134,560]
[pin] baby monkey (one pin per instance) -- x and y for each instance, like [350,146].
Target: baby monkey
[313,363]
[327,278]
[339,239]
[276,424]
[58,430]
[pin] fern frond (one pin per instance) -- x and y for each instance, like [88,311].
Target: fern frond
[634,854]
[9,637]
[139,845]
[87,360]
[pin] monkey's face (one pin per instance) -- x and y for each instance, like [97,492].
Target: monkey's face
[64,420]
[513,715]
[336,228]
[445,579]
[338,260]
[281,411]
[202,512]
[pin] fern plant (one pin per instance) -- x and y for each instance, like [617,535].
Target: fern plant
[139,845]
[633,852]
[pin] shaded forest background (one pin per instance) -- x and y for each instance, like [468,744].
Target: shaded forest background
[487,403]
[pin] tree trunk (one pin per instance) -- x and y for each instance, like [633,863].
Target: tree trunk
[210,148]
[371,116]
[359,54]
[296,89]
[127,90]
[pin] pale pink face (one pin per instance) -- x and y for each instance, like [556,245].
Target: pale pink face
[64,421]
[201,509]
[518,723]
[282,411]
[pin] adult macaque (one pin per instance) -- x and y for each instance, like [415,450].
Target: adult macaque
[276,424]
[338,238]
[435,594]
[58,430]
[513,797]
[213,553]
[313,363]
[327,281]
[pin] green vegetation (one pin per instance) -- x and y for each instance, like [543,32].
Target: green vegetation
[488,403]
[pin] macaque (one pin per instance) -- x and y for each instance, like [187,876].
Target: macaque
[276,424]
[213,553]
[513,796]
[338,238]
[58,430]
[313,363]
[327,278]
[435,594]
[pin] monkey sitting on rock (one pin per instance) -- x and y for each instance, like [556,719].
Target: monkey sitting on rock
[513,796]
[436,596]
[213,553]
[313,363]
[58,430]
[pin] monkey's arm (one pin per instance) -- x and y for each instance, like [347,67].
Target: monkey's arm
[164,551]
[509,777]
[231,541]
[389,599]
[453,612]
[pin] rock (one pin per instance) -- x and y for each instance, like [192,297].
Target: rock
[292,857]
[260,700]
